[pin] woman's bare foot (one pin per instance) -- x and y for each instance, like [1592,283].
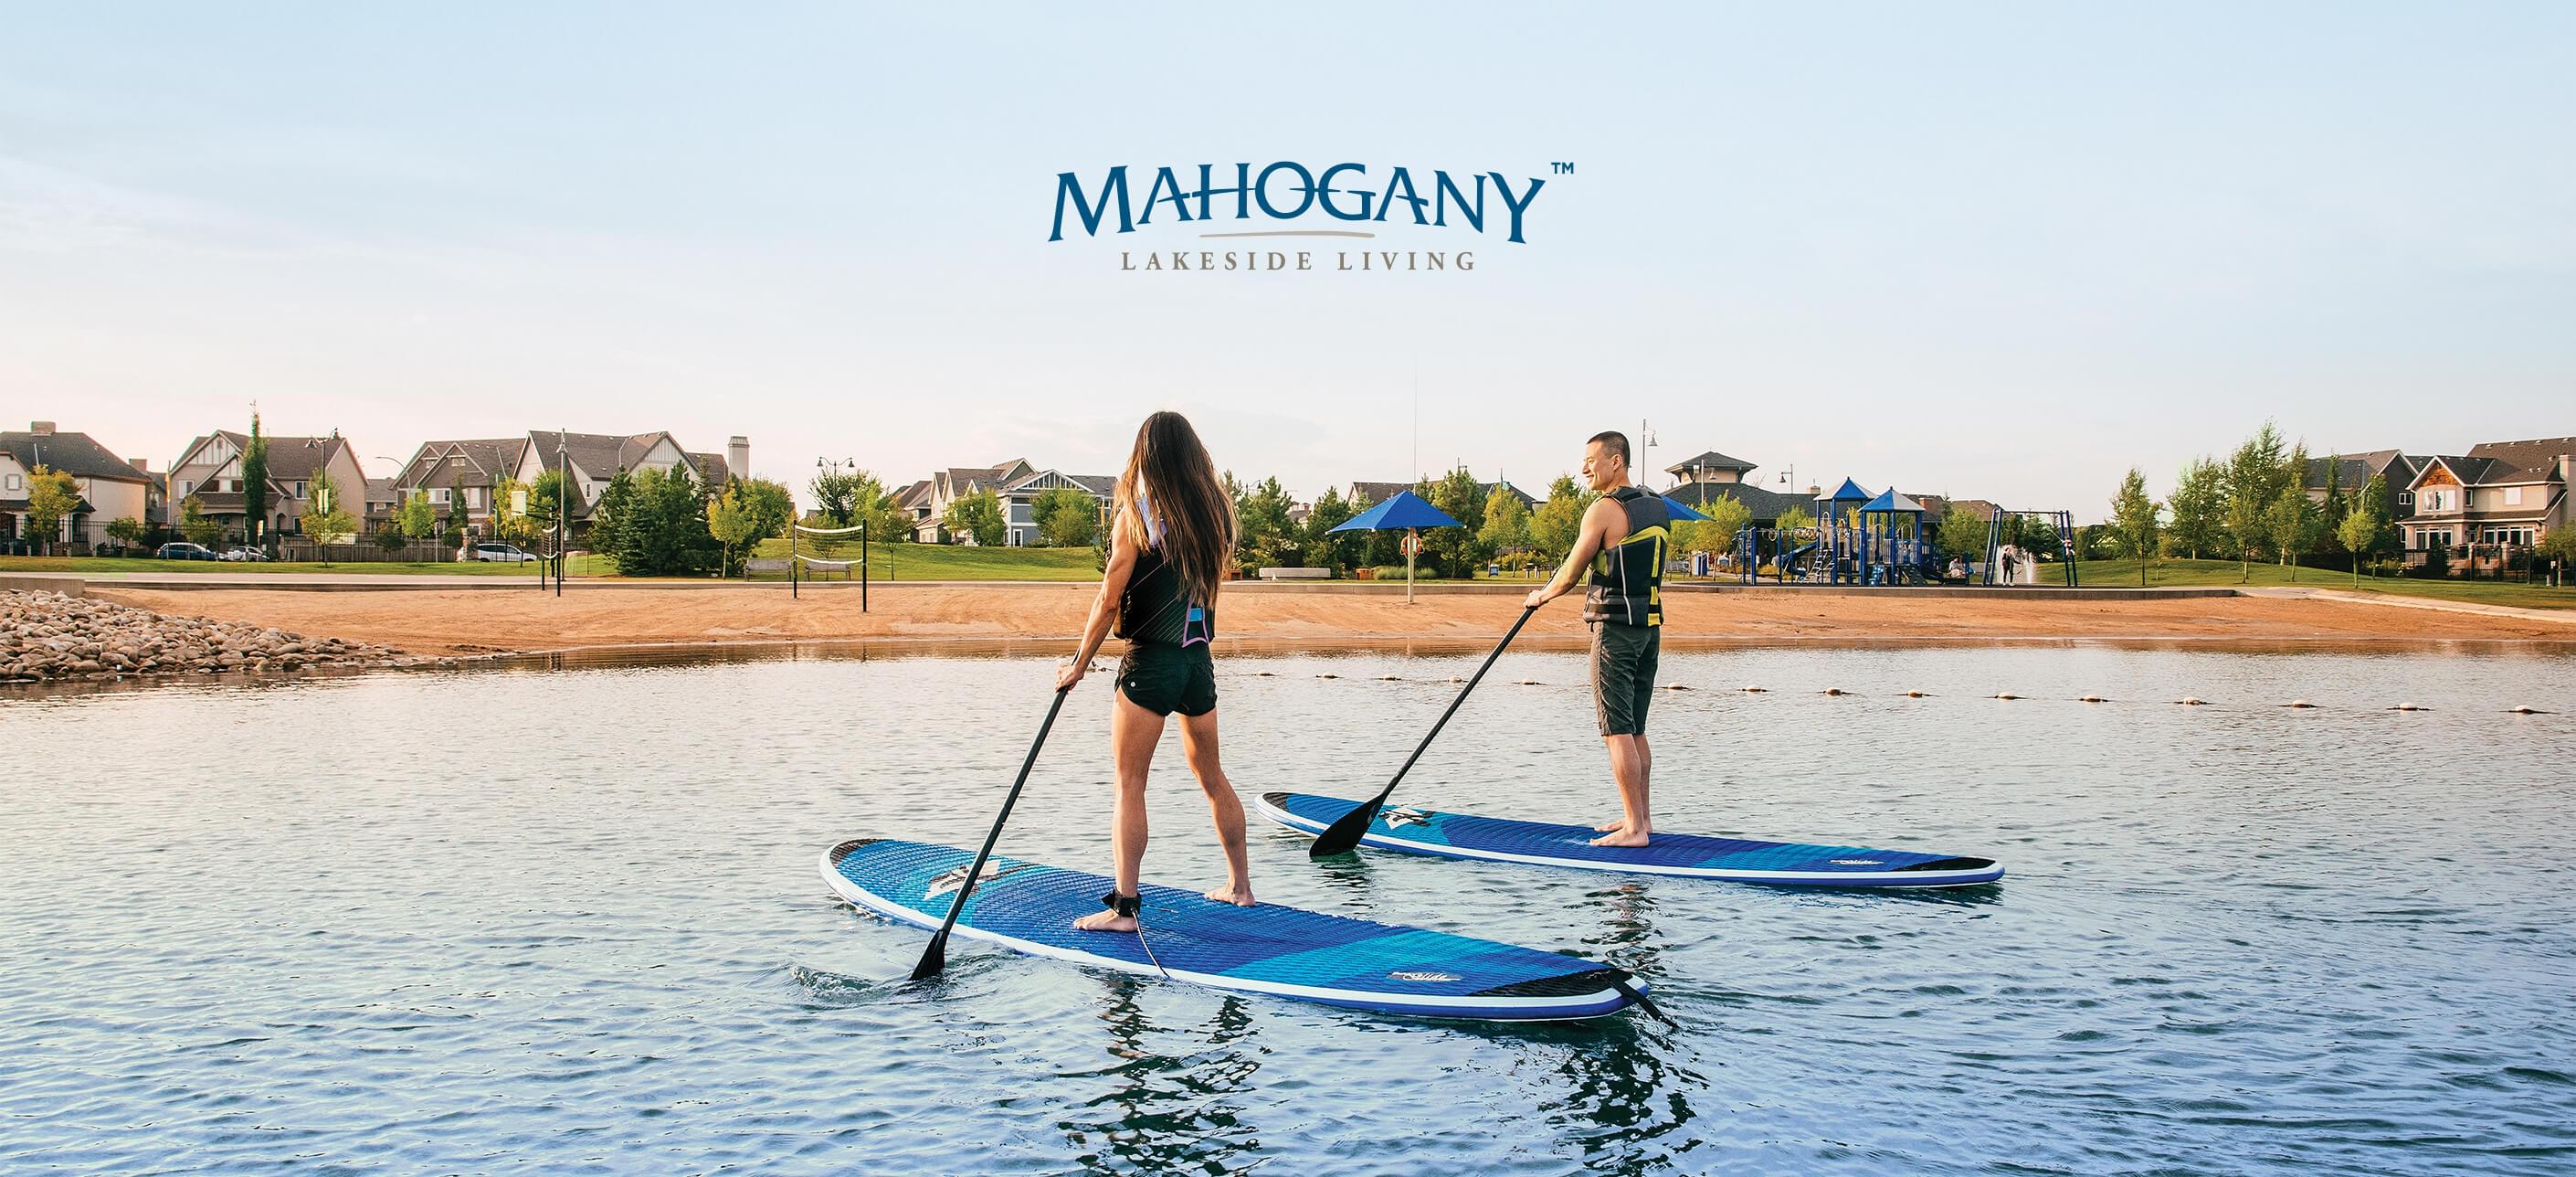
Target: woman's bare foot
[1105,921]
[1623,838]
[1612,826]
[1238,896]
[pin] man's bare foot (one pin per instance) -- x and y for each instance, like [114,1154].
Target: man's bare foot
[1611,826]
[1240,897]
[1105,921]
[1624,838]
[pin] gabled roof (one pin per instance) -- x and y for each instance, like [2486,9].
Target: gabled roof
[1100,485]
[711,470]
[1712,460]
[487,460]
[72,453]
[295,459]
[914,496]
[2353,471]
[2535,460]
[1765,505]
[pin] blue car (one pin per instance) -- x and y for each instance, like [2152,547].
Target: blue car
[182,551]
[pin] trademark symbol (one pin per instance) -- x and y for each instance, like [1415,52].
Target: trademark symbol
[1562,168]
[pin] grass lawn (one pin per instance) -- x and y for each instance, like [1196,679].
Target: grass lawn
[2117,573]
[902,562]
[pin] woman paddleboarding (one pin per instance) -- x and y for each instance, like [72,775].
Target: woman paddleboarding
[1169,543]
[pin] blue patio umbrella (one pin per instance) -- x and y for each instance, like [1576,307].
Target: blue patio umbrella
[1682,511]
[1406,512]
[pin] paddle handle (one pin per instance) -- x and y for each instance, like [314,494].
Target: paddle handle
[935,957]
[1526,613]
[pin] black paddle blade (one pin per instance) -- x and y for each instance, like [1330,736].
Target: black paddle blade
[1343,836]
[933,959]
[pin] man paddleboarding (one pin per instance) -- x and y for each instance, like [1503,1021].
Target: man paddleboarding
[1171,538]
[1626,533]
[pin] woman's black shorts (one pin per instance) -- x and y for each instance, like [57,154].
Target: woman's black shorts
[1164,678]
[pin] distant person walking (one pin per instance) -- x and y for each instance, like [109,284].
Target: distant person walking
[1173,535]
[1625,535]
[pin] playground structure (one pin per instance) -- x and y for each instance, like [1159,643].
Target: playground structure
[1864,539]
[1858,538]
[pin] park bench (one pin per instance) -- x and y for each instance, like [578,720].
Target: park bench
[767,565]
[1296,574]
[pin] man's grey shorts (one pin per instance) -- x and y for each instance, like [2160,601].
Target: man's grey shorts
[1623,675]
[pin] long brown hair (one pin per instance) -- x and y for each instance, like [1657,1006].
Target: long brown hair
[1191,506]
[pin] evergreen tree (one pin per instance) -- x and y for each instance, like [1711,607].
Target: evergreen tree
[254,485]
[1324,549]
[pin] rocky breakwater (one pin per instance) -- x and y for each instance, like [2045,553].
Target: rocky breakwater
[51,637]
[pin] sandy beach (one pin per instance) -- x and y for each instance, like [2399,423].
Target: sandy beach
[435,621]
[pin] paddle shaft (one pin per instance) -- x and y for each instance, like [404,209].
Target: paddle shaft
[1345,833]
[935,957]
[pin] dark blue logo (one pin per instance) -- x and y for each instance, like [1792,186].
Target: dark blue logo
[1287,191]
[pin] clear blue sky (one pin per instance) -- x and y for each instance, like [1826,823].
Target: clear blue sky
[1994,250]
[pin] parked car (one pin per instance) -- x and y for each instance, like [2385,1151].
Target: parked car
[502,553]
[244,554]
[183,551]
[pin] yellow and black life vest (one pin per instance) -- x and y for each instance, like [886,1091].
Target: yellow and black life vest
[1627,582]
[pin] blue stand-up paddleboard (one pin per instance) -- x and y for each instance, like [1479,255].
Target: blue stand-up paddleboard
[1459,835]
[1282,951]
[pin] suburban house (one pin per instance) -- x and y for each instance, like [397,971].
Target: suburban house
[2351,473]
[210,470]
[2478,508]
[468,470]
[110,487]
[914,502]
[1016,483]
[1712,475]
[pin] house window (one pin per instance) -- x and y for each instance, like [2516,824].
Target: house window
[2406,498]
[2513,496]
[299,490]
[17,483]
[438,494]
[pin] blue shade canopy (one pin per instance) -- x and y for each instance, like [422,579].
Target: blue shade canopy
[1403,511]
[1894,503]
[1682,511]
[1849,491]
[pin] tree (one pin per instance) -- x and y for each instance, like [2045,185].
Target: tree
[1558,522]
[660,526]
[553,491]
[201,531]
[507,521]
[769,505]
[838,495]
[254,484]
[1726,517]
[51,495]
[1506,522]
[729,520]
[1454,551]
[456,511]
[1324,549]
[2254,478]
[2198,506]
[416,519]
[127,532]
[2133,521]
[2291,526]
[325,521]
[1067,517]
[2359,531]
[1962,534]
[2558,545]
[977,517]
[1265,535]
[1792,519]
[608,516]
[390,537]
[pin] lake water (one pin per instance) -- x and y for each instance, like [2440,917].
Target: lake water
[569,920]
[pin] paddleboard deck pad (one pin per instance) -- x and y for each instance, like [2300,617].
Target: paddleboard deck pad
[1459,835]
[1282,951]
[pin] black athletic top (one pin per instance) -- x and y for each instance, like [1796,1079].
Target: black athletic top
[1156,606]
[1627,582]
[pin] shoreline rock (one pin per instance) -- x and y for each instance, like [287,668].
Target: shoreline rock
[50,637]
